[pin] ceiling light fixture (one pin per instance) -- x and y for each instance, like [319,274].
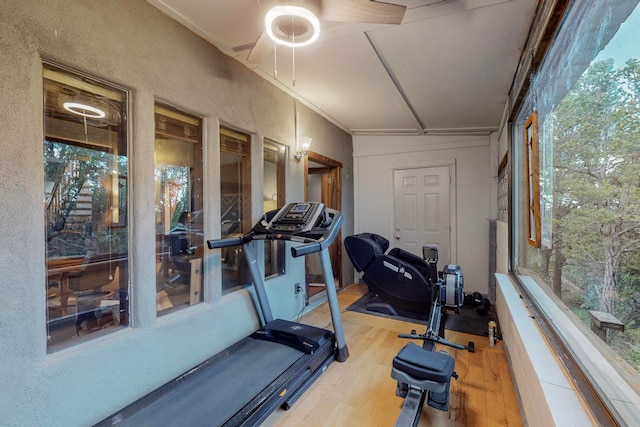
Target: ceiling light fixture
[84,110]
[292,26]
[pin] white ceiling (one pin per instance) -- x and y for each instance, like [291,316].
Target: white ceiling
[446,69]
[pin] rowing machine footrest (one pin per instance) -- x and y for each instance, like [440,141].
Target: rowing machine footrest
[423,369]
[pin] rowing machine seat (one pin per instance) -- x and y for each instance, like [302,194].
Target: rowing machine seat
[419,371]
[423,367]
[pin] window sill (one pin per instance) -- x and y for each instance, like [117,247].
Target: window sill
[618,396]
[547,395]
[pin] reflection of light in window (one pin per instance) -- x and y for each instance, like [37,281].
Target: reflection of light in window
[84,110]
[623,45]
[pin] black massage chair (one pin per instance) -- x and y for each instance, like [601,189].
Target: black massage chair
[402,281]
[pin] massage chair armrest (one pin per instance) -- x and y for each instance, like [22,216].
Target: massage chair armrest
[400,284]
[413,260]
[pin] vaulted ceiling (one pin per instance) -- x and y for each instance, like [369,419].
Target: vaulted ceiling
[447,68]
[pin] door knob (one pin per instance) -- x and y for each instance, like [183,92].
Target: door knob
[397,236]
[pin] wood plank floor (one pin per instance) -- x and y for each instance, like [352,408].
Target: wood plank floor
[361,392]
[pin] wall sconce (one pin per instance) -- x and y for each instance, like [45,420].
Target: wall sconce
[303,144]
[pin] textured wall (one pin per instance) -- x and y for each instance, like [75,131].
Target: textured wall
[132,44]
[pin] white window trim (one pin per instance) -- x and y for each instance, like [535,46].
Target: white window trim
[619,397]
[546,394]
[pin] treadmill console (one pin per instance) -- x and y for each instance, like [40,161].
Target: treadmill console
[297,218]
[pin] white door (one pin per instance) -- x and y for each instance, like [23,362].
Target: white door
[422,214]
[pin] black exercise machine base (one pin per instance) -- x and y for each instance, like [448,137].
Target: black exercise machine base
[211,393]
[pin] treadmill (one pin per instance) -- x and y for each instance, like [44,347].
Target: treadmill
[271,368]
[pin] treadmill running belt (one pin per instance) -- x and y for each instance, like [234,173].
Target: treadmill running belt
[219,390]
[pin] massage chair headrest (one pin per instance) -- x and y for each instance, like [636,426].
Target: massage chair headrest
[364,248]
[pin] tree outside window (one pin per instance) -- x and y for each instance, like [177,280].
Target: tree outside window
[591,185]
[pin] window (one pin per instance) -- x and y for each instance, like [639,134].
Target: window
[274,198]
[85,206]
[235,203]
[503,190]
[586,95]
[531,161]
[178,209]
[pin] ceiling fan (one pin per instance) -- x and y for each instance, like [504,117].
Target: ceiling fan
[295,23]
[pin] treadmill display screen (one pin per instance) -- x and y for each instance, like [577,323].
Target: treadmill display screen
[296,217]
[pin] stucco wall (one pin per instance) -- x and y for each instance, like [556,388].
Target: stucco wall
[375,159]
[134,45]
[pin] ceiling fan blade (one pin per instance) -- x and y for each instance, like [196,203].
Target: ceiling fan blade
[260,51]
[362,11]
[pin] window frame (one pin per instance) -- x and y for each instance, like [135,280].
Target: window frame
[532,176]
[278,246]
[238,143]
[575,343]
[90,87]
[181,249]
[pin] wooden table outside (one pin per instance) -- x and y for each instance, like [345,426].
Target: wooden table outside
[58,269]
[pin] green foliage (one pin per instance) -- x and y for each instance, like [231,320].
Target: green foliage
[629,298]
[74,168]
[174,180]
[634,356]
[581,314]
[596,198]
[597,185]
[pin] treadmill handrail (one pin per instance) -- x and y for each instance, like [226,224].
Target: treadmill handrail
[230,241]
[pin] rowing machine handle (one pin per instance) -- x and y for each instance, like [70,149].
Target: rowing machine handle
[413,336]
